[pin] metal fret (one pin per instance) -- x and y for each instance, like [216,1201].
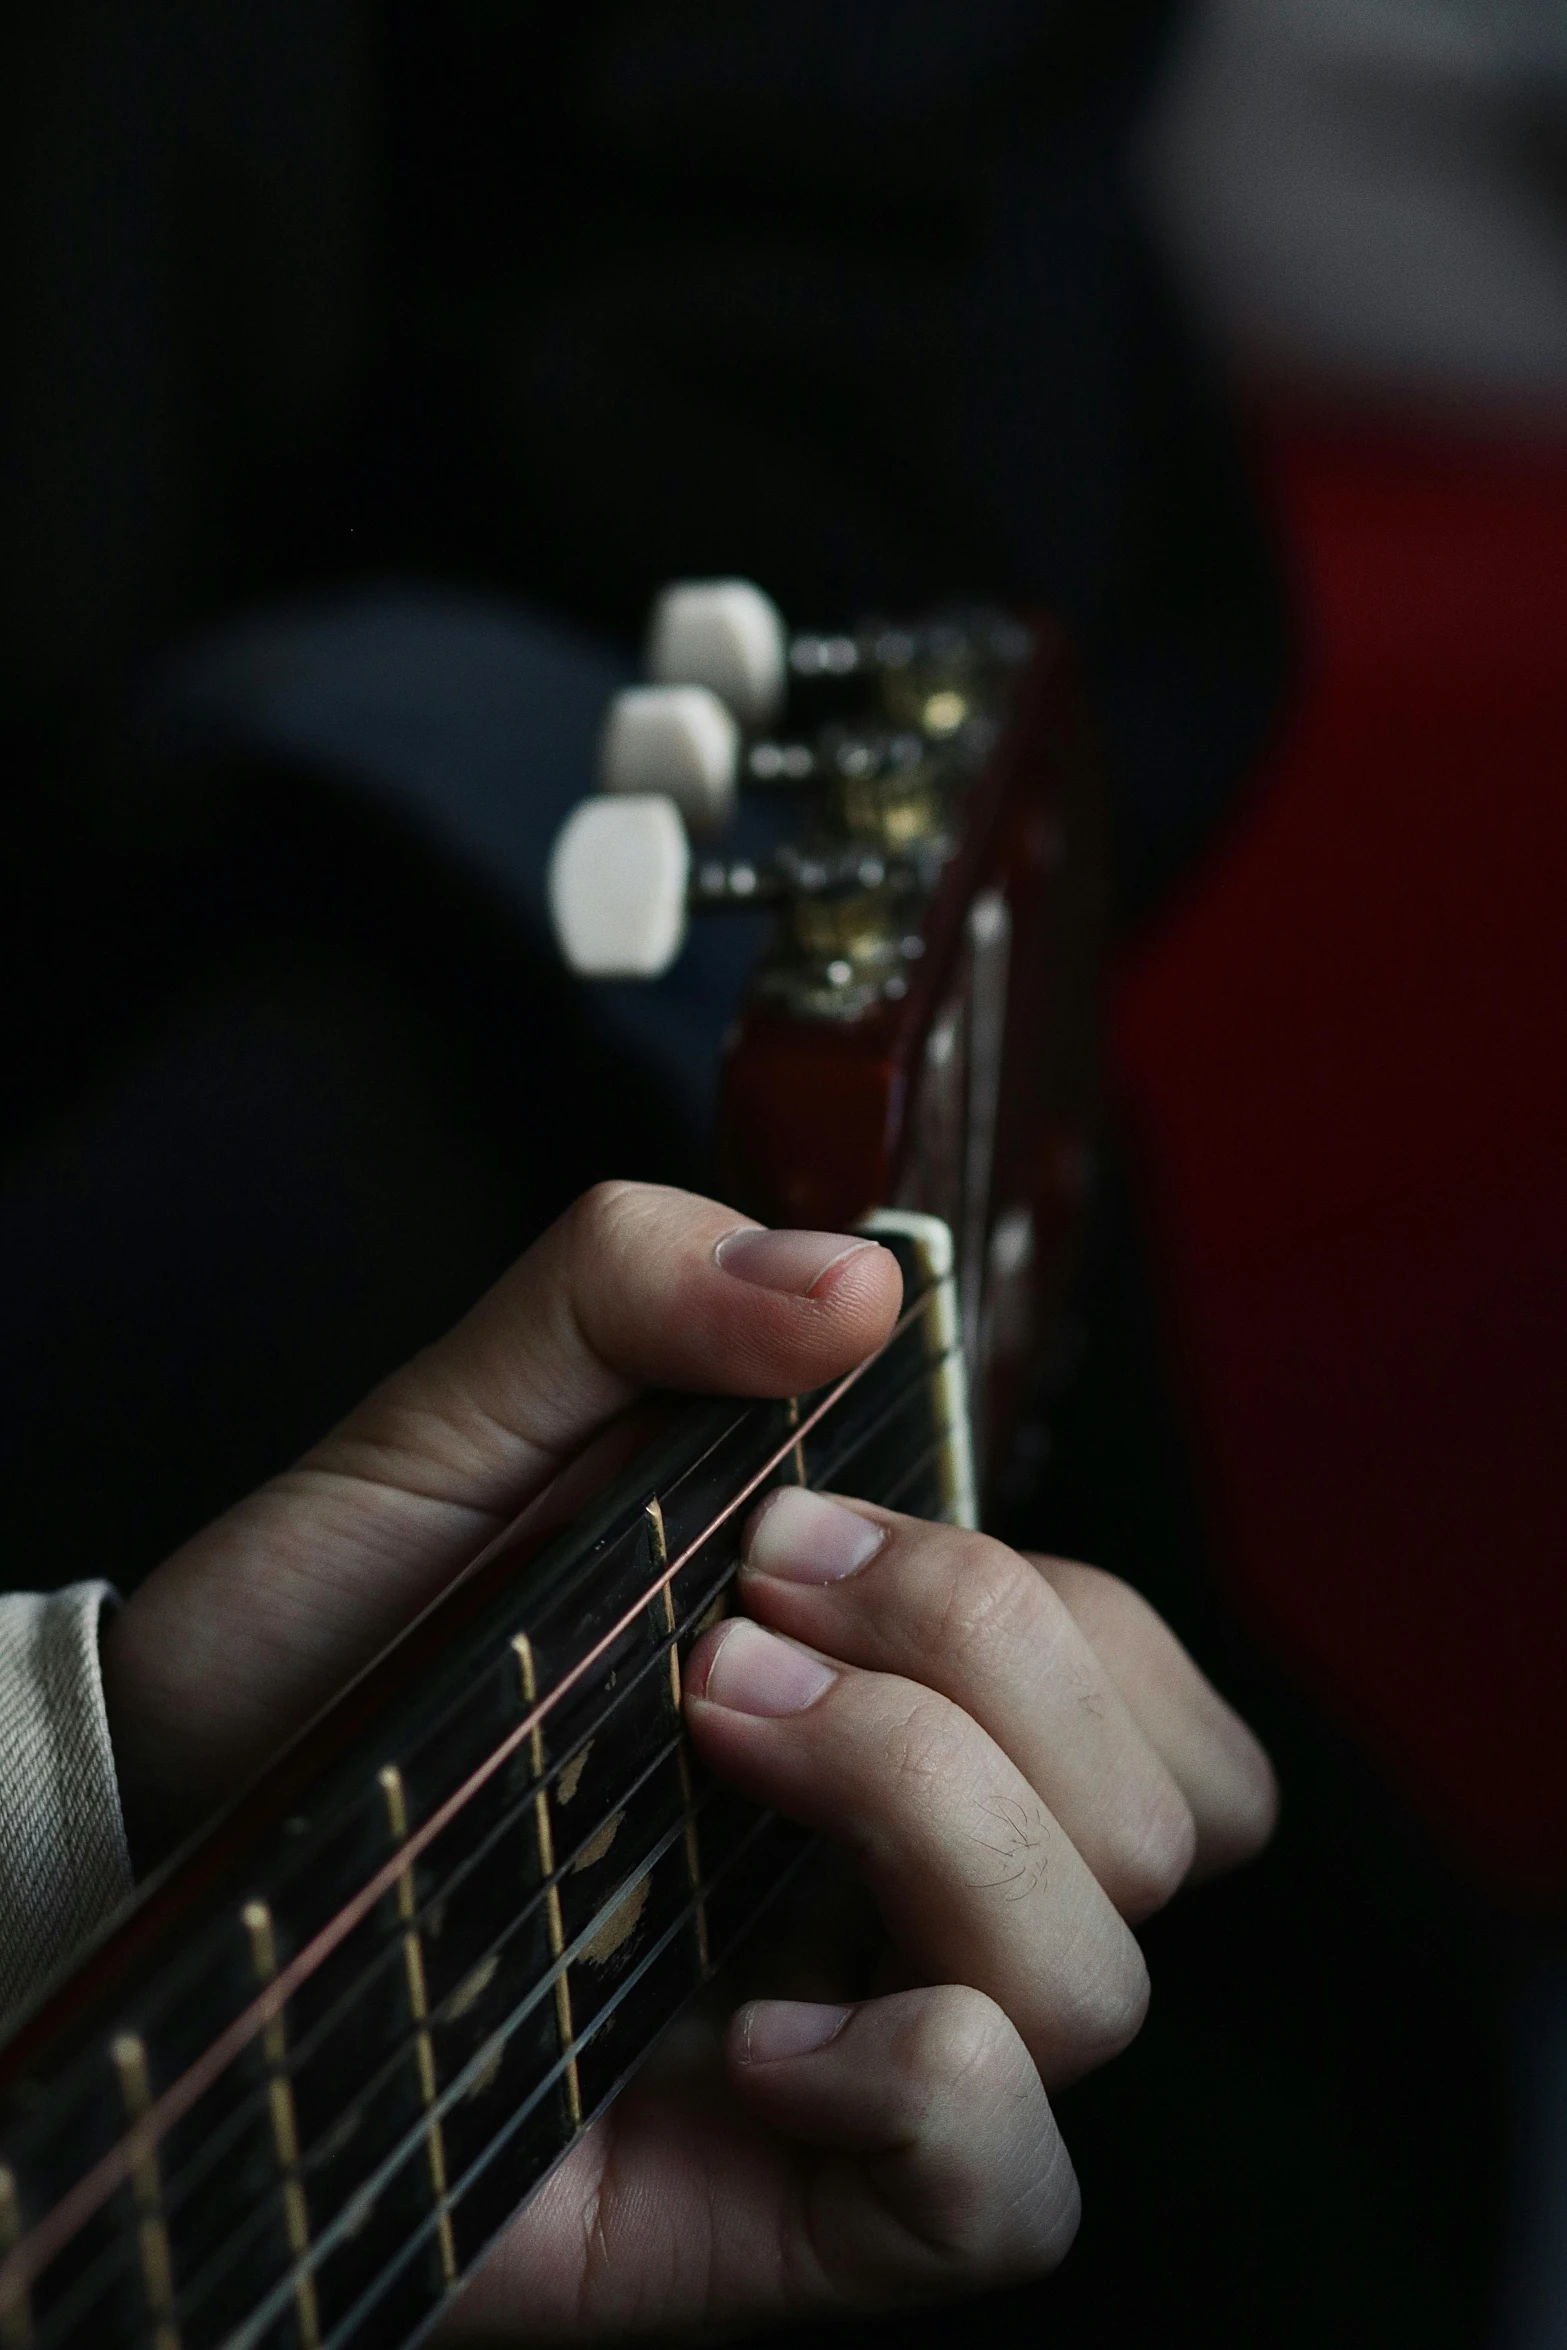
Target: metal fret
[253,2332]
[257,1921]
[525,2003]
[128,2055]
[391,1782]
[659,1543]
[797,1455]
[16,2310]
[543,1828]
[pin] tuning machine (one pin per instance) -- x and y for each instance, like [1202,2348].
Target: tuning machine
[623,885]
[881,785]
[934,677]
[879,796]
[681,740]
[619,877]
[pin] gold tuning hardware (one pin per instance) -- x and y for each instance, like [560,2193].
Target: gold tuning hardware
[916,712]
[932,676]
[728,636]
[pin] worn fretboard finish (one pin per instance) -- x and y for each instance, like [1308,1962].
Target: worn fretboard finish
[295,2092]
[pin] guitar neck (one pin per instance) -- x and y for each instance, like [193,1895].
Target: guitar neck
[298,2088]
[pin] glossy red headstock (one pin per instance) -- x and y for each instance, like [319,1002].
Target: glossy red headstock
[974,1096]
[921,1035]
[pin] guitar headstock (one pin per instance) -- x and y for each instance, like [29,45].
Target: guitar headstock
[307,2076]
[920,1031]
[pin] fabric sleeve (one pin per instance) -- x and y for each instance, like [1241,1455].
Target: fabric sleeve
[64,1861]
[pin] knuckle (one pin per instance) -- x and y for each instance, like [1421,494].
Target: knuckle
[600,1213]
[985,1598]
[960,2042]
[588,1305]
[1153,1854]
[1001,2198]
[1058,2211]
[1010,1843]
[1239,1817]
[1112,1592]
[1102,1604]
[1255,1804]
[1112,2008]
[926,1743]
[1036,2209]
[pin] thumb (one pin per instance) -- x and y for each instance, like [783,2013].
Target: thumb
[249,1629]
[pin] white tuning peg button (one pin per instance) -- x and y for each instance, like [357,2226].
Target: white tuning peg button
[675,739]
[724,634]
[617,886]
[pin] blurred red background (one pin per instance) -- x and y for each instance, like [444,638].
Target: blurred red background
[1346,1059]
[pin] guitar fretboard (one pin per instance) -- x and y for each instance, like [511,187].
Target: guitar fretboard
[298,2089]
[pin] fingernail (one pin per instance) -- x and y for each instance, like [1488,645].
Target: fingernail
[805,1538]
[773,2029]
[793,1262]
[751,1672]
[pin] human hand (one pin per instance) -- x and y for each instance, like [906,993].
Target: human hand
[1019,1757]
[256,1623]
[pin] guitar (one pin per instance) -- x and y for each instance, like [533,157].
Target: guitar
[296,2088]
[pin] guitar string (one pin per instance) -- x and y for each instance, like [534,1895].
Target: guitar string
[202,2157]
[844,1453]
[540,1988]
[786,1870]
[653,1666]
[176,2189]
[411,2145]
[201,1954]
[829,1465]
[409,2148]
[303,2049]
[406,2148]
[49,2235]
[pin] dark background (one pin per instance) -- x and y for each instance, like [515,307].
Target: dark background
[850,298]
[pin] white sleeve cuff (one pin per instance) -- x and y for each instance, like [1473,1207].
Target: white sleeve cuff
[64,1862]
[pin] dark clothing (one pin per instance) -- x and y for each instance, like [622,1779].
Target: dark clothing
[847,297]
